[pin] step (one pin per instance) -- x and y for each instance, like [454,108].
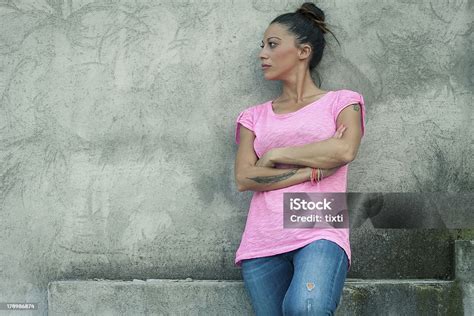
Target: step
[418,254]
[223,297]
[464,264]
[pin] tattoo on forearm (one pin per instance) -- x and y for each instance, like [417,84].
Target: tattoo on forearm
[356,107]
[273,179]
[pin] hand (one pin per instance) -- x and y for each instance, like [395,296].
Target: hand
[339,131]
[338,134]
[329,172]
[266,160]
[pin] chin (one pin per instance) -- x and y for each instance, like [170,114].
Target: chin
[269,77]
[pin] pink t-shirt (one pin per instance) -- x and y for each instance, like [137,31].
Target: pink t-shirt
[264,234]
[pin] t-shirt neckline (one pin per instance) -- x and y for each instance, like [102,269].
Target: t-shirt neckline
[297,111]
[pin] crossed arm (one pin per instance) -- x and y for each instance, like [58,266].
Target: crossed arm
[260,175]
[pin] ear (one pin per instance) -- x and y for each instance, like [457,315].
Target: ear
[304,51]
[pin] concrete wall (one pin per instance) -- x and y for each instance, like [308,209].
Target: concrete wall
[117,125]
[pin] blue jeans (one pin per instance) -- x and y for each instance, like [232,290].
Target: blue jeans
[304,281]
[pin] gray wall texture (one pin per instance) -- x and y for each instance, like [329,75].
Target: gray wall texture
[117,125]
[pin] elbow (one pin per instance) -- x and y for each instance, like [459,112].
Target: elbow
[349,155]
[240,186]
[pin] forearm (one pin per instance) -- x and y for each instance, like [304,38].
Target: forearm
[267,179]
[329,153]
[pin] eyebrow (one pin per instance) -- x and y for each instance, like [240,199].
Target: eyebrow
[273,37]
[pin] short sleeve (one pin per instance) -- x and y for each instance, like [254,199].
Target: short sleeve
[246,119]
[346,98]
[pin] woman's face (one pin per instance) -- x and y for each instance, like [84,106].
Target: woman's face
[279,51]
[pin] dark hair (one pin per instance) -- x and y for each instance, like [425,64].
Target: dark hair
[308,25]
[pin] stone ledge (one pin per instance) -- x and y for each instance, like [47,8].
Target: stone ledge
[222,297]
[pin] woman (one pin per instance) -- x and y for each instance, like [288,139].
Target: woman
[300,142]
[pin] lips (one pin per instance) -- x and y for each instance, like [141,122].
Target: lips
[264,66]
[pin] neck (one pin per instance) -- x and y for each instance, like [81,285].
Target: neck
[298,87]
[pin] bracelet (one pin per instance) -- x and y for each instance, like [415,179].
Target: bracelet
[316,175]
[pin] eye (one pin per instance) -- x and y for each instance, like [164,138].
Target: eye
[272,45]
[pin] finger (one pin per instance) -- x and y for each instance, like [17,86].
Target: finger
[341,132]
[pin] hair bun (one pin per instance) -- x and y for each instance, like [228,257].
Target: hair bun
[315,14]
